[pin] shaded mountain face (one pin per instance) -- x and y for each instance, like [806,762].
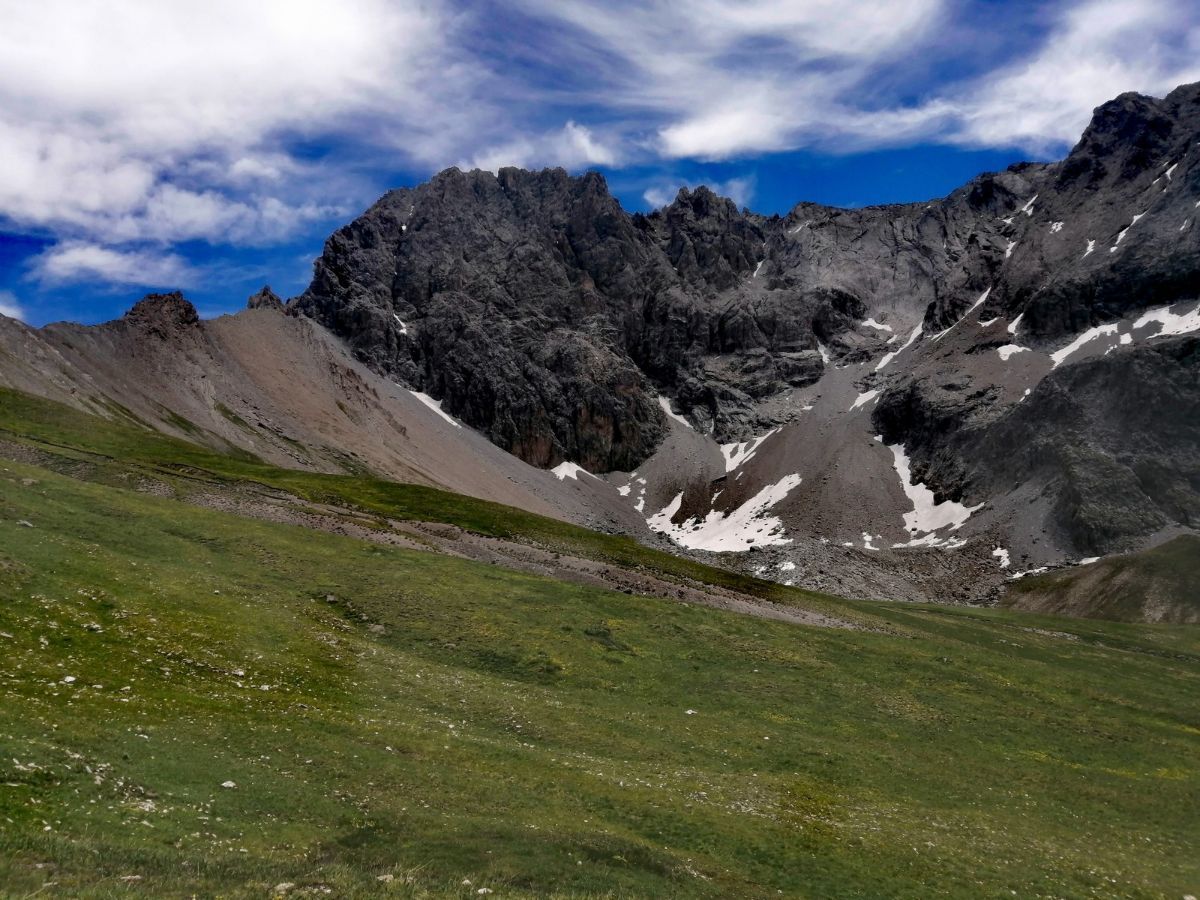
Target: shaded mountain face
[541,313]
[546,316]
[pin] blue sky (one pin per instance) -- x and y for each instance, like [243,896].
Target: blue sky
[212,145]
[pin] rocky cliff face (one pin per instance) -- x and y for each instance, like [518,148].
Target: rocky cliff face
[1105,234]
[541,313]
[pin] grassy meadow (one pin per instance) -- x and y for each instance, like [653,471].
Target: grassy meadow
[198,704]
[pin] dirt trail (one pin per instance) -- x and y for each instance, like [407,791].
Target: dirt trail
[454,541]
[265,504]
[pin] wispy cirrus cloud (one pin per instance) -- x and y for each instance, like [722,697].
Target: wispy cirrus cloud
[722,78]
[9,306]
[725,79]
[1093,51]
[130,129]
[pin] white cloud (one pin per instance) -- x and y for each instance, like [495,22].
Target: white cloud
[573,147]
[729,131]
[9,306]
[73,262]
[125,120]
[725,78]
[1096,50]
[734,78]
[739,190]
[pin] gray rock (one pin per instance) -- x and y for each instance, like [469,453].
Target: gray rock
[547,317]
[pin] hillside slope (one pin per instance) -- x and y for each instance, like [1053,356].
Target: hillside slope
[1158,585]
[283,389]
[199,702]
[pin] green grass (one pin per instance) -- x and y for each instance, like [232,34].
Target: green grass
[127,448]
[1160,584]
[440,721]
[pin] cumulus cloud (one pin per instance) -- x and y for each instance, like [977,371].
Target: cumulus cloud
[136,121]
[9,306]
[76,261]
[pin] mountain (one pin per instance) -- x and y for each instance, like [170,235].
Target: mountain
[1028,342]
[905,402]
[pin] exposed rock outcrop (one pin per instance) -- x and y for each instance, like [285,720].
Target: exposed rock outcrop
[543,314]
[163,315]
[265,298]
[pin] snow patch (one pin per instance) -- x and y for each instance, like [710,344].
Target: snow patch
[878,326]
[1037,571]
[737,531]
[1056,227]
[1012,245]
[1090,248]
[927,514]
[1015,324]
[888,357]
[1060,356]
[1008,351]
[665,405]
[757,268]
[864,398]
[824,351]
[932,540]
[1125,231]
[1088,560]
[1001,554]
[1169,322]
[399,321]
[1028,207]
[566,470]
[974,306]
[737,454]
[436,406]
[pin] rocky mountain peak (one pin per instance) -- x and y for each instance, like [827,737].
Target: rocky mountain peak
[265,298]
[163,315]
[542,313]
